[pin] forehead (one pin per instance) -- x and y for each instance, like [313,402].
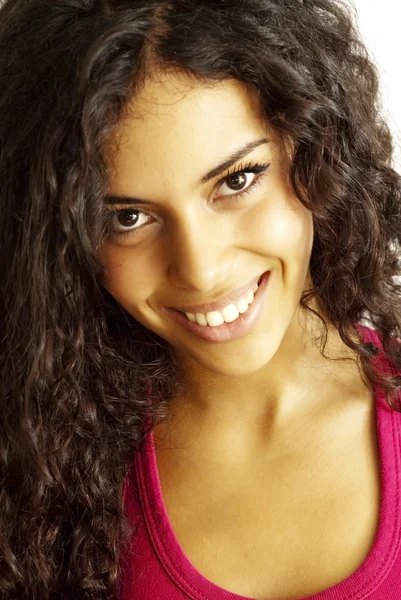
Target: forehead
[176,123]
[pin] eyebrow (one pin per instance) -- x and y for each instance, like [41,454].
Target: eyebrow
[223,166]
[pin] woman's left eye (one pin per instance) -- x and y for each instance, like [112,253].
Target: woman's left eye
[239,182]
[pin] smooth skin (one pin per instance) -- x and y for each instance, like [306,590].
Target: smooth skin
[270,454]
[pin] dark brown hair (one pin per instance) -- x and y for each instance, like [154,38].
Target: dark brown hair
[75,365]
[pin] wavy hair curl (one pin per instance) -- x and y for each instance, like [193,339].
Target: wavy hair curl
[75,366]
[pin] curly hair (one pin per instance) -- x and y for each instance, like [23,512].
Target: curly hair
[75,367]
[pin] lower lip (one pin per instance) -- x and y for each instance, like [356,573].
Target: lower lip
[227,331]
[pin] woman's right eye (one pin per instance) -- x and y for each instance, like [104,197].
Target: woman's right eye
[127,221]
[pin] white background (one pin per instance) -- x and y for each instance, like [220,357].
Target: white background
[379,22]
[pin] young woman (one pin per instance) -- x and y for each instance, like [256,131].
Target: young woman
[200,314]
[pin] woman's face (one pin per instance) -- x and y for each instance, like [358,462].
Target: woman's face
[193,233]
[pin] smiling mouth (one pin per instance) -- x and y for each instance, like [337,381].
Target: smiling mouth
[232,321]
[226,300]
[225,314]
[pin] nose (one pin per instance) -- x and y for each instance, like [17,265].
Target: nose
[200,255]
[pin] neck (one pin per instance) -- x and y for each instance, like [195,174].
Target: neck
[297,381]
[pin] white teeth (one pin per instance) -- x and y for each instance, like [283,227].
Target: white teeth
[242,306]
[250,297]
[201,319]
[227,315]
[230,313]
[214,318]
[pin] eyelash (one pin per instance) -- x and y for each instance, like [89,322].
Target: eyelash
[252,167]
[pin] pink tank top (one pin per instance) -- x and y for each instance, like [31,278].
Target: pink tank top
[154,566]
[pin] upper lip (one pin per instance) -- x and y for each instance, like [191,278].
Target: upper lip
[221,302]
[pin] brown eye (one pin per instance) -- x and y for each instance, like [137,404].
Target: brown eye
[127,218]
[236,181]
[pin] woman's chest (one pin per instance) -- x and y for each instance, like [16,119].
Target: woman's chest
[287,525]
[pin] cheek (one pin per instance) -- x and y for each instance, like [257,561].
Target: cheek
[113,261]
[292,231]
[130,277]
[117,268]
[281,230]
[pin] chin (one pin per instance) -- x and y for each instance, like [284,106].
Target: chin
[231,363]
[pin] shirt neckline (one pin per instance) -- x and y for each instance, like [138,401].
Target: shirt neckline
[366,579]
